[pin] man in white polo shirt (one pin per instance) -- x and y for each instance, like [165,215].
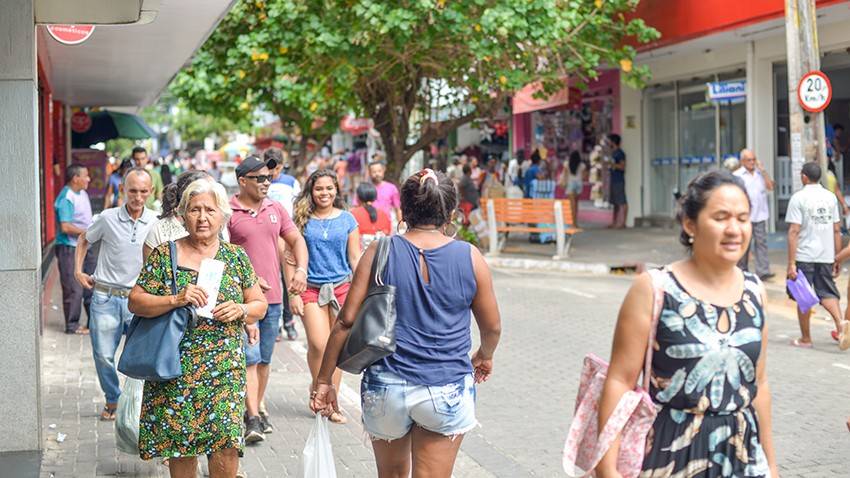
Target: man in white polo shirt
[758,183]
[121,232]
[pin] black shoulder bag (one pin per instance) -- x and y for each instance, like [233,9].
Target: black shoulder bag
[373,335]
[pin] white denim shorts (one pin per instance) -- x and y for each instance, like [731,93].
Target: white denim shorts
[391,405]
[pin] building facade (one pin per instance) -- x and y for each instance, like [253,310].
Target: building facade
[719,85]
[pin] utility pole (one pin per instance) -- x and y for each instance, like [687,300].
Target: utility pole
[807,130]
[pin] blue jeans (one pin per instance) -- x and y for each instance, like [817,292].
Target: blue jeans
[109,322]
[262,351]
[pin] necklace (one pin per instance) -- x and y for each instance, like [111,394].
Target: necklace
[425,230]
[324,223]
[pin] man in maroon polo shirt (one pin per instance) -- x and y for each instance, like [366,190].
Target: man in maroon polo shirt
[256,224]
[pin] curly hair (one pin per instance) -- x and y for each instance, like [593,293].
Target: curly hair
[428,198]
[304,205]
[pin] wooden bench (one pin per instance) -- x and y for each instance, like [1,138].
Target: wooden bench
[506,215]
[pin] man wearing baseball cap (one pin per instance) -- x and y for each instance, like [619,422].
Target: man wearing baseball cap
[256,224]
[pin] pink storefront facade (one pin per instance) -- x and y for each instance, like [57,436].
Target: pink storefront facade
[571,120]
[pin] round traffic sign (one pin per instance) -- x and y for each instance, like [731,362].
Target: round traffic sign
[70,34]
[80,122]
[814,91]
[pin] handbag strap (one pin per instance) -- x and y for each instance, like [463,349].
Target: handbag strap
[380,261]
[172,252]
[657,276]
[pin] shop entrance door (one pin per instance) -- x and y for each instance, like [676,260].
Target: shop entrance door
[690,134]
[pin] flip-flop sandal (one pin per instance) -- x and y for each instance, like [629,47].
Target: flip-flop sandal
[835,336]
[82,331]
[802,345]
[108,414]
[844,342]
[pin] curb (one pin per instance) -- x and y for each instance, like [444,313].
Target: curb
[548,265]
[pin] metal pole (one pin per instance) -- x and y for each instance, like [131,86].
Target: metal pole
[808,134]
[717,137]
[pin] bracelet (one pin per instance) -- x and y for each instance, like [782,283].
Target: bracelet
[244,311]
[301,269]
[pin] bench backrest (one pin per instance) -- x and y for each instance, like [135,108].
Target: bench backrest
[512,210]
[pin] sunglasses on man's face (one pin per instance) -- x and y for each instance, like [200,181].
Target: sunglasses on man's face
[260,179]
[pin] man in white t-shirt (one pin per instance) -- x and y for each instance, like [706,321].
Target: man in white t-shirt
[758,183]
[814,235]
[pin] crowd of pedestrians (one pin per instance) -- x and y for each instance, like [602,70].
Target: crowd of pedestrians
[698,325]
[287,251]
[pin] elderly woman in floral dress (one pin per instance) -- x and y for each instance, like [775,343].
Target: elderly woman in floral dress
[199,413]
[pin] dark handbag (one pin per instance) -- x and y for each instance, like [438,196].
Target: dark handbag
[152,348]
[372,336]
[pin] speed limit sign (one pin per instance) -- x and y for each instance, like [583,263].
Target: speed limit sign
[814,91]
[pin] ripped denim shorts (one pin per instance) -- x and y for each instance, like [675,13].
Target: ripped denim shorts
[391,405]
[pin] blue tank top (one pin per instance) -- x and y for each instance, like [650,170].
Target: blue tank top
[433,335]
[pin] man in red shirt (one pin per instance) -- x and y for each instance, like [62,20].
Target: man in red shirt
[257,224]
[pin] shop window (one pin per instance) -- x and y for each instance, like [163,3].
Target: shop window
[689,134]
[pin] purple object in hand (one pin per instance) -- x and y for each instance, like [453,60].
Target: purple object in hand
[802,292]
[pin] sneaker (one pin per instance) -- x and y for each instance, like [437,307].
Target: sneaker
[253,430]
[291,333]
[768,276]
[265,423]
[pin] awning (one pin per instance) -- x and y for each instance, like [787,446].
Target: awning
[525,102]
[129,65]
[92,128]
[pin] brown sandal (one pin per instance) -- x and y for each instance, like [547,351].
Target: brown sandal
[338,418]
[108,413]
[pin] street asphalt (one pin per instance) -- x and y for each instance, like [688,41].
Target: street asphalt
[550,321]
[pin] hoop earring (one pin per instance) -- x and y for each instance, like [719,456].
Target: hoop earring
[398,228]
[454,231]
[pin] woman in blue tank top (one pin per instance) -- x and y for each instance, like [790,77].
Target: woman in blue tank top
[430,380]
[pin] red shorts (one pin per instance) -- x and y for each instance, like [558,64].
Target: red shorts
[311,294]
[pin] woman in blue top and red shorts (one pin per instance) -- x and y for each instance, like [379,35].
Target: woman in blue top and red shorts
[430,380]
[333,242]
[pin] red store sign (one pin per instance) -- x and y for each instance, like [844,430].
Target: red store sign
[70,34]
[80,122]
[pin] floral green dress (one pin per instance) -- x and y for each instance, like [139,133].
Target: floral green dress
[201,411]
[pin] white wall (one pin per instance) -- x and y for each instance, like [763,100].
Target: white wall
[20,237]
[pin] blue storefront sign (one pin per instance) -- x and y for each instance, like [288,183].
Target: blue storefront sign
[727,90]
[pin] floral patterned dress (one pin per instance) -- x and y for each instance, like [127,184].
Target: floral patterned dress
[201,411]
[704,382]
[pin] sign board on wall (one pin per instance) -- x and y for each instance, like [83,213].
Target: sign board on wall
[95,161]
[727,90]
[80,122]
[70,34]
[814,91]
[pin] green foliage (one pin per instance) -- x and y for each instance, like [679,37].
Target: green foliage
[449,61]
[254,60]
[192,126]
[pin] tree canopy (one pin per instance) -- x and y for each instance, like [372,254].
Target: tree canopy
[441,62]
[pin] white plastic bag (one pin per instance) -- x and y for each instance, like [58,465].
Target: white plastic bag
[127,416]
[318,457]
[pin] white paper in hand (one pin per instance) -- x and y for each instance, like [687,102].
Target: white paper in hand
[209,279]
